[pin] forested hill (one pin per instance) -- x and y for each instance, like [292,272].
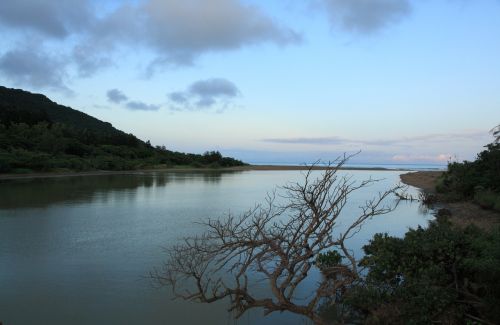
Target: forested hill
[17,106]
[37,134]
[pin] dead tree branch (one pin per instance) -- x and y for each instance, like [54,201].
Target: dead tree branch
[277,243]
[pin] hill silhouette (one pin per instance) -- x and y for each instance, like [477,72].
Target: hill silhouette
[37,134]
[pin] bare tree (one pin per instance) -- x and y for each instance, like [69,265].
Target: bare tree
[279,243]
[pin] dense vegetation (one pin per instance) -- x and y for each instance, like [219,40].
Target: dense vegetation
[37,134]
[478,180]
[441,274]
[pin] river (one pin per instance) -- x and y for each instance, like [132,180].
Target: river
[77,250]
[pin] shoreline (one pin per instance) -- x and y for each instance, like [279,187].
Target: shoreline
[182,169]
[463,213]
[424,180]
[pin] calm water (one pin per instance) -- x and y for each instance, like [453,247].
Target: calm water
[76,250]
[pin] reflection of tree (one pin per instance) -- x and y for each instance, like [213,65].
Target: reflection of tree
[46,191]
[42,192]
[148,181]
[278,244]
[212,177]
[162,179]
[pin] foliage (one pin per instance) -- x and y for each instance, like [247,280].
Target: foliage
[439,274]
[478,180]
[36,134]
[487,199]
[464,177]
[328,259]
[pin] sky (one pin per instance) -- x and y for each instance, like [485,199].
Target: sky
[281,81]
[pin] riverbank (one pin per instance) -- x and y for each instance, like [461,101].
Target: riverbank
[425,180]
[175,169]
[463,213]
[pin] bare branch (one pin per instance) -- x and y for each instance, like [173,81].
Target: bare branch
[277,243]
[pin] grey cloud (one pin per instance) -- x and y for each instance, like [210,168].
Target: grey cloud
[205,94]
[141,106]
[180,31]
[365,16]
[88,61]
[34,67]
[178,97]
[116,96]
[205,102]
[51,17]
[214,87]
[175,32]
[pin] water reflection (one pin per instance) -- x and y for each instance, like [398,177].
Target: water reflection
[43,192]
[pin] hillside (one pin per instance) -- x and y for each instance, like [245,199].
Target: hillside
[37,134]
[17,104]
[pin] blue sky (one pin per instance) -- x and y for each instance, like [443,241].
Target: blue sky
[269,81]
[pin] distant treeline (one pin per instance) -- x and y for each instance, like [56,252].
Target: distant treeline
[37,134]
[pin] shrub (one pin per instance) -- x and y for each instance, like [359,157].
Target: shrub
[486,198]
[440,274]
[497,204]
[464,178]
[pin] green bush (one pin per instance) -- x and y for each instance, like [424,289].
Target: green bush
[497,204]
[464,178]
[328,259]
[439,274]
[486,198]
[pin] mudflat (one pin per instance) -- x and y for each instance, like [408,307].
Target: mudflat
[426,180]
[463,213]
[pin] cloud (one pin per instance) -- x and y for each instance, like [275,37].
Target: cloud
[34,67]
[178,97]
[319,140]
[364,158]
[205,94]
[214,87]
[116,96]
[88,61]
[171,32]
[54,18]
[365,16]
[141,106]
[402,141]
[180,31]
[439,158]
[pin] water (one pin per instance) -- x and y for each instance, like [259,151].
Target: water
[392,166]
[76,250]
